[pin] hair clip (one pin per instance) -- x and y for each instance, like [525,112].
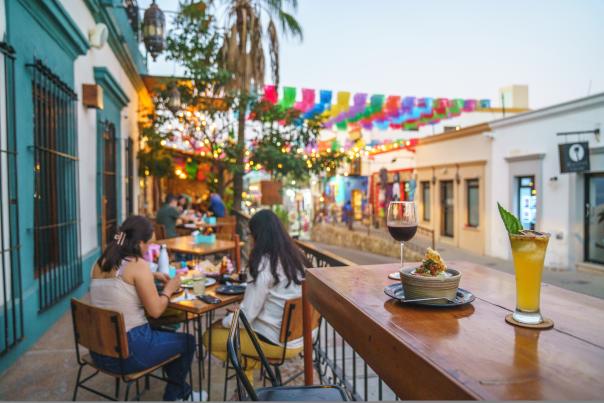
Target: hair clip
[119,238]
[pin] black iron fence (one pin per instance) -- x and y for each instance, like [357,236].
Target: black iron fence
[57,259]
[335,361]
[11,296]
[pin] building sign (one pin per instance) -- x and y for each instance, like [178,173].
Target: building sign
[574,157]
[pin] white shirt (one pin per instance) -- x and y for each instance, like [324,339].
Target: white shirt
[264,301]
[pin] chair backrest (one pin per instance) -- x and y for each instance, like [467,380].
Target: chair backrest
[160,231]
[226,225]
[100,330]
[229,219]
[244,387]
[291,323]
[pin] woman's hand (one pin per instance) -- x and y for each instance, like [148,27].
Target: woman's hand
[162,277]
[172,285]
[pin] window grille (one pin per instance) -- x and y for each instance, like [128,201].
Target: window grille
[57,260]
[11,295]
[109,213]
[130,176]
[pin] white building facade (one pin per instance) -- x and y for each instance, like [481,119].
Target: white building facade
[525,147]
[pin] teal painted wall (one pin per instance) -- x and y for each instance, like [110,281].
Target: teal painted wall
[45,40]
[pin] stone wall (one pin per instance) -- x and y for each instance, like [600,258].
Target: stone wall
[341,236]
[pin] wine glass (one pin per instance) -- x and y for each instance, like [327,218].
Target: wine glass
[402,222]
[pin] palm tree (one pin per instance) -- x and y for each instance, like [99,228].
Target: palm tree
[249,24]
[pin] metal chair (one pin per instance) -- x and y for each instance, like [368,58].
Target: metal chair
[102,331]
[276,392]
[291,329]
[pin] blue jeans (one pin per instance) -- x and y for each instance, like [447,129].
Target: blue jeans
[149,347]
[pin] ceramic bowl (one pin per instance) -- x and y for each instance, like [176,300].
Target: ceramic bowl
[416,287]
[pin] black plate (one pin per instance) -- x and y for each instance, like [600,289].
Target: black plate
[230,289]
[463,297]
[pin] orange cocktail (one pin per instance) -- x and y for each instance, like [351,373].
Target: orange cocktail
[528,251]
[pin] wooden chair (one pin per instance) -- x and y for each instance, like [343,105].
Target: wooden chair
[226,225]
[276,392]
[160,231]
[291,329]
[102,331]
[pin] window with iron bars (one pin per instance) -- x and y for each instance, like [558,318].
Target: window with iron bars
[57,260]
[130,176]
[11,295]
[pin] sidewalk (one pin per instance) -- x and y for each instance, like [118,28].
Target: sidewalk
[582,282]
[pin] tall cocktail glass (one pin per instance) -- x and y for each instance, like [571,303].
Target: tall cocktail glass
[528,251]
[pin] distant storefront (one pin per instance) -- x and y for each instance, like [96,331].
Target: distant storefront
[340,190]
[516,161]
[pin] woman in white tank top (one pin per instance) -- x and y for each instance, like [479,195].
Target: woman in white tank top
[122,281]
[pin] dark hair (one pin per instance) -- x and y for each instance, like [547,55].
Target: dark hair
[170,198]
[186,204]
[272,241]
[126,243]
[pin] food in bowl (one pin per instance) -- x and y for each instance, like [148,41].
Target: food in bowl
[432,265]
[432,279]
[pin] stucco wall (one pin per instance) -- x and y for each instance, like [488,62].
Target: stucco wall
[560,201]
[87,125]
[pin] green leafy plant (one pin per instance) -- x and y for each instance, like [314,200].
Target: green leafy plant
[283,215]
[251,27]
[511,222]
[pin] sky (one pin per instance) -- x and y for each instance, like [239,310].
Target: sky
[440,48]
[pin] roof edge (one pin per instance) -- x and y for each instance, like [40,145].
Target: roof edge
[564,107]
[452,135]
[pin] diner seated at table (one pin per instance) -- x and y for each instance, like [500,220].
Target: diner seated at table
[217,207]
[168,216]
[276,269]
[122,281]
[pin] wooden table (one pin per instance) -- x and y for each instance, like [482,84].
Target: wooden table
[185,244]
[468,352]
[198,309]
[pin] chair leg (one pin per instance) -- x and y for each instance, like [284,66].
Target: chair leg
[128,384]
[278,375]
[226,380]
[138,391]
[77,385]
[117,387]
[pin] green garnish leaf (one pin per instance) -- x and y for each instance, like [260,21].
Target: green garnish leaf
[511,222]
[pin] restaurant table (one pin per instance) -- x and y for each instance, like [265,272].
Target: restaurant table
[467,352]
[186,229]
[199,308]
[185,244]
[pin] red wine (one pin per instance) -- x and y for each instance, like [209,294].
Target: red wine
[402,232]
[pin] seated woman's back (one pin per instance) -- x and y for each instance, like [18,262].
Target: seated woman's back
[115,290]
[276,270]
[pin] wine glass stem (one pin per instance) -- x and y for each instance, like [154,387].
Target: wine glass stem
[402,254]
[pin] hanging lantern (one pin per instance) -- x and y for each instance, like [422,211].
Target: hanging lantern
[174,102]
[154,24]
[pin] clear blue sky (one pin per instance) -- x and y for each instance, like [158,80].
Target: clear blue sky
[464,48]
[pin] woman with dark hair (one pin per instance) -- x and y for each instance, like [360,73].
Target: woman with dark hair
[122,281]
[276,268]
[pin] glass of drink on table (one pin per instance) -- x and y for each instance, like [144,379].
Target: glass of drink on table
[199,283]
[528,251]
[402,222]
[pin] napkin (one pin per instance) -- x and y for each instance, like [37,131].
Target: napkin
[185,296]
